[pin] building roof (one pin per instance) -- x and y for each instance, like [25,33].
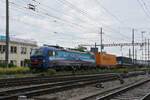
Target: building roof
[19,41]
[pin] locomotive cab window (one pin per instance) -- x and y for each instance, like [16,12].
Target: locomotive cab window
[36,52]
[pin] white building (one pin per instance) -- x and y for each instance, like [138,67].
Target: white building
[19,50]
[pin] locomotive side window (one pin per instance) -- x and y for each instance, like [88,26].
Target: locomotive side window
[50,53]
[56,53]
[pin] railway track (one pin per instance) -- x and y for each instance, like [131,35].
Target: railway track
[54,78]
[137,91]
[34,90]
[45,79]
[146,97]
[43,85]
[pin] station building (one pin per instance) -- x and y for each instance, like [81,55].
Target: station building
[19,50]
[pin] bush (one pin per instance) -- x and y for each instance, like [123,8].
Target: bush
[27,61]
[11,65]
[51,71]
[2,65]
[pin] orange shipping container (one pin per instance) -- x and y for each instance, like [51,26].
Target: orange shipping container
[105,59]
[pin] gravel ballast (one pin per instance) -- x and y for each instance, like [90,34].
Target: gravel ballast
[80,93]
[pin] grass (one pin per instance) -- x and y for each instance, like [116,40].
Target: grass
[14,70]
[25,72]
[116,70]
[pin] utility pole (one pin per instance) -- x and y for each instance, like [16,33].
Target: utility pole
[148,52]
[129,53]
[95,47]
[7,35]
[101,38]
[133,43]
[145,50]
[121,51]
[142,43]
[135,54]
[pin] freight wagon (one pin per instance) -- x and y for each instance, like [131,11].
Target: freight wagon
[142,63]
[105,60]
[124,61]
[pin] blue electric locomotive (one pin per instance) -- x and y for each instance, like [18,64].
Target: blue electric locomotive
[52,57]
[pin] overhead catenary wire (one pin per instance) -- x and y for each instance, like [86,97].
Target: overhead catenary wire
[64,13]
[80,19]
[116,38]
[143,7]
[47,14]
[107,27]
[25,22]
[83,12]
[50,16]
[44,13]
[61,34]
[88,16]
[45,6]
[80,11]
[111,14]
[116,31]
[115,17]
[33,25]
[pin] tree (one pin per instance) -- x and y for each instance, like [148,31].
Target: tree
[81,48]
[27,61]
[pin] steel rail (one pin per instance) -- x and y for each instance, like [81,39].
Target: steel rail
[146,97]
[46,79]
[120,91]
[52,87]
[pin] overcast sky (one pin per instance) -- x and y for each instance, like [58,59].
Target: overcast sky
[69,23]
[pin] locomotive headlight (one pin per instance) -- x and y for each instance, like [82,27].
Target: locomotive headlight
[44,60]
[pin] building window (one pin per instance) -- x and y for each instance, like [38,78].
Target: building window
[2,48]
[13,63]
[23,50]
[13,49]
[23,64]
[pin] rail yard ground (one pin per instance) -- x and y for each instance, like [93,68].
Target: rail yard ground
[65,85]
[34,86]
[81,93]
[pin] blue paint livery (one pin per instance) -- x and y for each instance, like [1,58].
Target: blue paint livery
[59,57]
